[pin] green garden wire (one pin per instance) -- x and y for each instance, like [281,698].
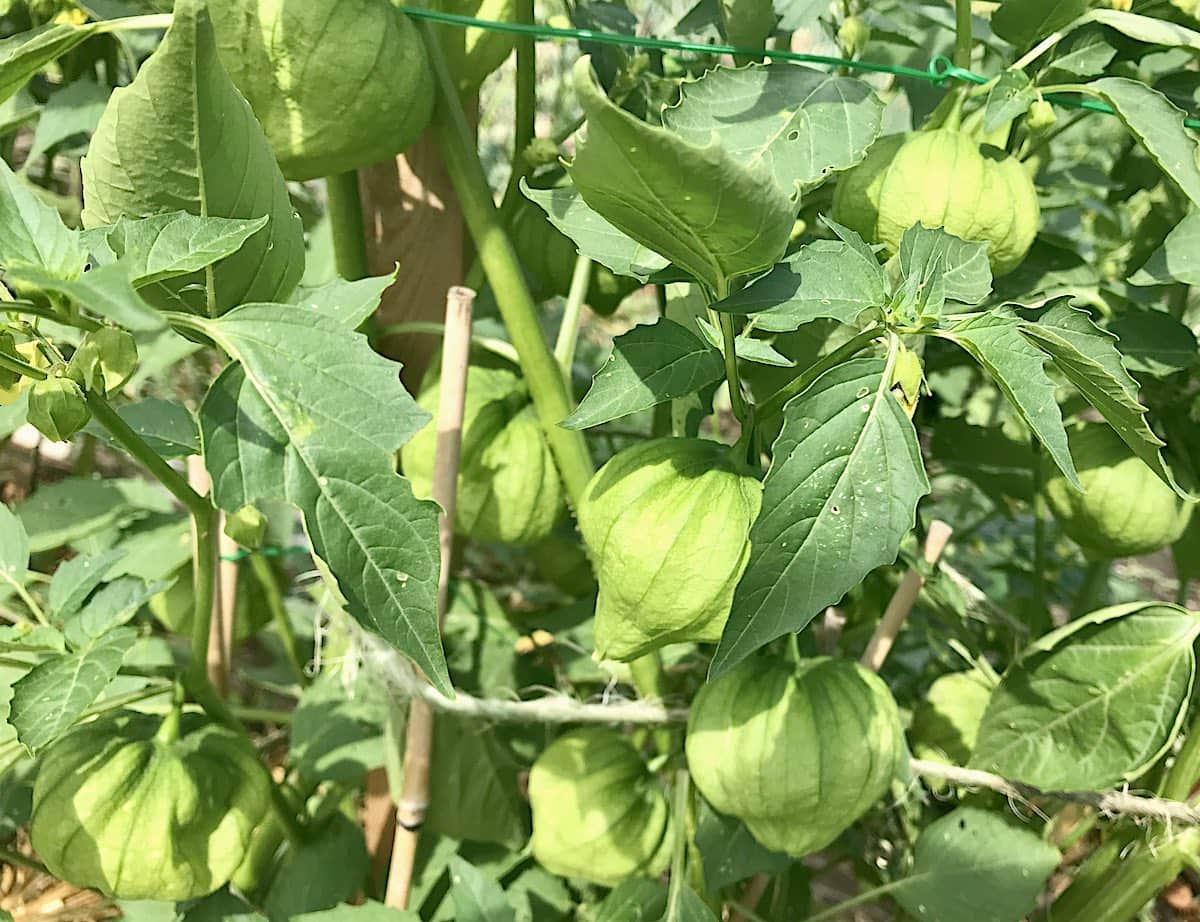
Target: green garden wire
[940,69]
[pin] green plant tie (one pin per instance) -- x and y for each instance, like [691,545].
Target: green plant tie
[940,70]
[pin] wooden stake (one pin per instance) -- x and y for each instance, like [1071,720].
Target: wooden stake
[418,750]
[903,600]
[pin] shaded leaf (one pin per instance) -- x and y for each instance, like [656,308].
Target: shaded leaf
[111,606]
[1022,22]
[14,547]
[477,897]
[650,364]
[1011,95]
[1177,260]
[311,415]
[802,124]
[593,236]
[995,341]
[181,137]
[730,853]
[71,112]
[74,581]
[167,427]
[24,54]
[106,291]
[839,498]
[321,873]
[1095,703]
[1155,343]
[696,206]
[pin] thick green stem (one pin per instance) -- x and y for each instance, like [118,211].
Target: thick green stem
[775,403]
[261,568]
[1094,588]
[650,681]
[500,263]
[962,33]
[679,854]
[736,399]
[204,579]
[1184,772]
[133,443]
[346,225]
[568,330]
[17,366]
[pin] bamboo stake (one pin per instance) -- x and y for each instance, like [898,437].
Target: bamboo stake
[903,600]
[220,646]
[418,750]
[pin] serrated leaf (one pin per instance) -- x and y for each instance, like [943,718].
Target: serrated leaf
[1011,95]
[167,427]
[1177,260]
[823,279]
[349,303]
[1087,357]
[166,246]
[74,581]
[70,112]
[802,124]
[106,291]
[14,547]
[995,341]
[181,137]
[1158,126]
[111,606]
[839,498]
[710,215]
[310,414]
[974,864]
[32,234]
[1022,22]
[650,364]
[966,276]
[594,237]
[477,897]
[27,636]
[1095,703]
[24,54]
[54,694]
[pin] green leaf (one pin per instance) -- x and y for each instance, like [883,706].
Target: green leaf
[1089,52]
[745,346]
[24,54]
[166,246]
[71,112]
[972,864]
[1011,95]
[32,234]
[337,733]
[113,605]
[321,873]
[650,364]
[1147,29]
[1095,703]
[54,694]
[74,581]
[801,124]
[72,509]
[349,303]
[687,906]
[1177,260]
[730,854]
[310,414]
[181,137]
[966,276]
[1022,22]
[14,547]
[593,236]
[106,291]
[634,900]
[1155,343]
[221,906]
[366,912]
[477,898]
[995,341]
[825,278]
[477,797]
[1087,357]
[167,427]
[839,498]
[697,206]
[1158,126]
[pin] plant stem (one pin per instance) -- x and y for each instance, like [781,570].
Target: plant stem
[1095,582]
[568,330]
[16,365]
[1184,772]
[1040,558]
[346,225]
[204,580]
[525,106]
[23,593]
[867,896]
[650,682]
[679,856]
[8,856]
[500,263]
[962,33]
[133,443]
[775,403]
[37,310]
[261,568]
[736,399]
